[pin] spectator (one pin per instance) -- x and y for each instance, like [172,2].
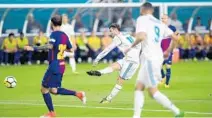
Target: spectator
[128,23]
[200,48]
[78,25]
[82,50]
[183,45]
[192,47]
[40,40]
[23,41]
[198,26]
[175,22]
[106,41]
[208,43]
[1,55]
[10,49]
[94,44]
[185,26]
[33,26]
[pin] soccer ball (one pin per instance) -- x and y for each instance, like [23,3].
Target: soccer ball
[10,82]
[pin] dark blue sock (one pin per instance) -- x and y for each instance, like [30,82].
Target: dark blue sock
[168,75]
[48,100]
[17,56]
[63,91]
[162,73]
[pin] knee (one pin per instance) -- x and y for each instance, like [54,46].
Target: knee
[168,66]
[44,90]
[139,86]
[53,91]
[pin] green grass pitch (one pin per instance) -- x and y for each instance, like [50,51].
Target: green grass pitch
[190,90]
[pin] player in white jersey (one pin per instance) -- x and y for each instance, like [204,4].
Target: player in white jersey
[126,66]
[69,30]
[150,31]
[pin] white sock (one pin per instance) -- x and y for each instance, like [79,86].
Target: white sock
[106,70]
[114,92]
[138,103]
[163,100]
[72,64]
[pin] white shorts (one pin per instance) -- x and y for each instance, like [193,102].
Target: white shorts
[68,54]
[150,73]
[128,68]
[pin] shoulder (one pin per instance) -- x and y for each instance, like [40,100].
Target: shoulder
[142,18]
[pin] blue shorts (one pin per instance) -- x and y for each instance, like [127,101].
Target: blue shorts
[52,80]
[169,60]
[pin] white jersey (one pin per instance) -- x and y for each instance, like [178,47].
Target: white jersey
[123,41]
[68,29]
[155,31]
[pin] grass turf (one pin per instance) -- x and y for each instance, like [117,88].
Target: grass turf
[190,90]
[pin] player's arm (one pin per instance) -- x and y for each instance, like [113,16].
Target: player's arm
[104,52]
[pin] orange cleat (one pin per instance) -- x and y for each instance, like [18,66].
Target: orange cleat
[49,115]
[81,96]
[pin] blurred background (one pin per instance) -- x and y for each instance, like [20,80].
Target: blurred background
[30,20]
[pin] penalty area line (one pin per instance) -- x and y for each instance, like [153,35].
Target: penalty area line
[97,107]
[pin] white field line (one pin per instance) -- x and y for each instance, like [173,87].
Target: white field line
[97,107]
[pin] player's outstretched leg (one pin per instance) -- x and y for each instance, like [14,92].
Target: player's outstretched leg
[163,100]
[63,91]
[107,70]
[116,89]
[48,100]
[138,100]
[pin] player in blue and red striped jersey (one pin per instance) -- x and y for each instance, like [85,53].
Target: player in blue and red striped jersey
[58,43]
[168,62]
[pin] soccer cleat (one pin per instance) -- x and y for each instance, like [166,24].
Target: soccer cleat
[167,86]
[180,115]
[94,73]
[49,115]
[105,101]
[81,96]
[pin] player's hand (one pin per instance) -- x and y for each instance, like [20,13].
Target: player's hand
[28,48]
[95,62]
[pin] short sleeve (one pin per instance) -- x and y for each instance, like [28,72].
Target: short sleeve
[52,39]
[116,41]
[141,25]
[168,32]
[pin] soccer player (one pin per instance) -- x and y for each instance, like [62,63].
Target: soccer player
[126,66]
[10,48]
[150,31]
[168,62]
[58,43]
[23,41]
[69,30]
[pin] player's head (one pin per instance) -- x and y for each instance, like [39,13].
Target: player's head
[11,36]
[147,8]
[56,22]
[106,33]
[165,18]
[65,18]
[21,35]
[114,29]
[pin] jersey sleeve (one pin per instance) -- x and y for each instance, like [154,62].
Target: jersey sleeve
[168,32]
[52,39]
[141,25]
[116,41]
[106,51]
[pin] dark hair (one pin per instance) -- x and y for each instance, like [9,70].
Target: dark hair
[56,20]
[114,25]
[147,5]
[21,33]
[11,34]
